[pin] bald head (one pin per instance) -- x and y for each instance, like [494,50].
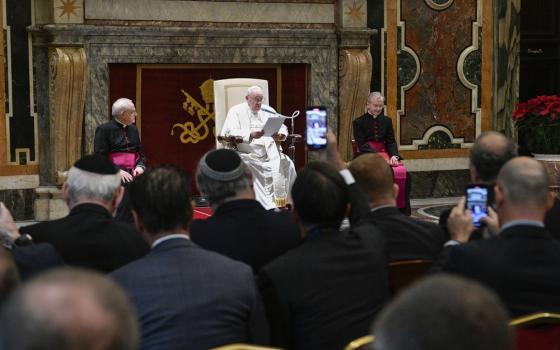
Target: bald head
[444,312]
[524,183]
[374,176]
[491,150]
[69,309]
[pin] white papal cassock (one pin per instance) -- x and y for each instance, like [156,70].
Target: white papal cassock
[263,156]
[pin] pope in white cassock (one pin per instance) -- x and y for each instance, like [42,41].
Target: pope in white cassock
[262,154]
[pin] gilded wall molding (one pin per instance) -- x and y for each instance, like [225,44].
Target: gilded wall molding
[67,87]
[354,81]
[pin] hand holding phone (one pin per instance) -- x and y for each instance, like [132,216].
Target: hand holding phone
[477,202]
[316,122]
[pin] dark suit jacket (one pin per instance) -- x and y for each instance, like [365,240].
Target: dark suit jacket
[522,265]
[33,259]
[243,230]
[407,238]
[190,298]
[364,132]
[90,237]
[326,292]
[552,219]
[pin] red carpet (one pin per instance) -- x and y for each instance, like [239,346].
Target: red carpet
[202,213]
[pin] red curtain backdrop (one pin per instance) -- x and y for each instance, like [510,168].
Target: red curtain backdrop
[171,98]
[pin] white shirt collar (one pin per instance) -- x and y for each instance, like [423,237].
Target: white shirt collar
[522,222]
[168,237]
[381,207]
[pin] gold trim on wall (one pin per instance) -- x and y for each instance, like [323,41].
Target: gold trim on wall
[67,88]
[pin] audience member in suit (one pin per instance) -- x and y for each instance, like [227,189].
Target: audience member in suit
[240,227]
[186,297]
[491,150]
[522,263]
[325,292]
[444,313]
[407,238]
[29,258]
[89,236]
[68,309]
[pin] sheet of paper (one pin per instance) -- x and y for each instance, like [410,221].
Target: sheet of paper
[273,125]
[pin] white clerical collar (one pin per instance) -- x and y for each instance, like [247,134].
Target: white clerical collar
[168,237]
[121,123]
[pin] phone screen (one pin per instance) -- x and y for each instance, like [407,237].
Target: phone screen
[316,118]
[477,202]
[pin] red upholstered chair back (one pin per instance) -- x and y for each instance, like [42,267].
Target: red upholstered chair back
[537,331]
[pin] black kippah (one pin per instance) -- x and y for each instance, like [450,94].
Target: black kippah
[96,163]
[222,165]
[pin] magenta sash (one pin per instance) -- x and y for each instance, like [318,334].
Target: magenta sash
[399,172]
[124,160]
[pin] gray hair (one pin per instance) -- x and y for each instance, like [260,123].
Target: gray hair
[83,184]
[253,88]
[121,105]
[524,182]
[375,95]
[218,192]
[48,313]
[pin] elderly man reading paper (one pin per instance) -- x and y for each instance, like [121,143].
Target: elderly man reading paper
[273,172]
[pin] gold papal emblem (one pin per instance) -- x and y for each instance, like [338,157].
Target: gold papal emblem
[195,133]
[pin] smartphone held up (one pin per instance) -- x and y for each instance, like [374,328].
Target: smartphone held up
[316,122]
[477,202]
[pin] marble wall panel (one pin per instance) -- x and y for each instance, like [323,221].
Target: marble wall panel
[438,97]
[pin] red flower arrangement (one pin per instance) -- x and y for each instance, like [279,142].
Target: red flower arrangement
[539,122]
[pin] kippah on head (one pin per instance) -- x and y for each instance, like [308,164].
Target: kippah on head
[96,163]
[222,165]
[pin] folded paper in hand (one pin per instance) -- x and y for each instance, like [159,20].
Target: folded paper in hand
[273,125]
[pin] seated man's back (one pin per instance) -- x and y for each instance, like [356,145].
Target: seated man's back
[90,237]
[240,227]
[326,292]
[522,266]
[407,238]
[186,297]
[243,230]
[189,298]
